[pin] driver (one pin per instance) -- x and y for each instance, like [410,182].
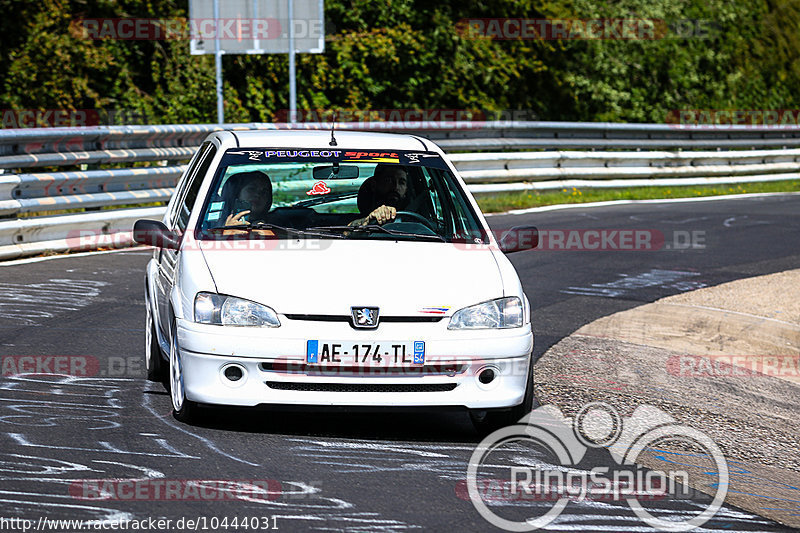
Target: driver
[389,194]
[248,198]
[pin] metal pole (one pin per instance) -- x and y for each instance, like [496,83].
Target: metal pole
[218,65]
[256,39]
[292,74]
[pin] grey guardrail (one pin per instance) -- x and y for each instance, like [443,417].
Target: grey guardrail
[71,233]
[559,154]
[56,191]
[509,172]
[17,146]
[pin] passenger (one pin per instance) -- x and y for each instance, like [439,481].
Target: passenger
[384,194]
[248,198]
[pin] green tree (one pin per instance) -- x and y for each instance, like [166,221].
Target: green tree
[405,54]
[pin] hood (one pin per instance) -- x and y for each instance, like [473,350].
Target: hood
[402,278]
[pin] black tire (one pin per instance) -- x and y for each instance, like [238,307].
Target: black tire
[183,409]
[487,420]
[154,361]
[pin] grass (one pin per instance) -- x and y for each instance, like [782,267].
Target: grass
[521,200]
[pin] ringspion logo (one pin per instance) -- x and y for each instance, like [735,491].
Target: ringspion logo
[537,460]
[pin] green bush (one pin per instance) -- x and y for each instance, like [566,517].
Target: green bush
[405,54]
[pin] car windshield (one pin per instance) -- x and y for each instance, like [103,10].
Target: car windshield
[343,194]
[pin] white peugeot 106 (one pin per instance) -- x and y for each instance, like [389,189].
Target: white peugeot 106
[347,269]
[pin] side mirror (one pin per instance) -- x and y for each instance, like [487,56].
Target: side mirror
[155,233]
[518,239]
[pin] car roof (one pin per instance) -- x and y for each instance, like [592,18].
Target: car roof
[321,139]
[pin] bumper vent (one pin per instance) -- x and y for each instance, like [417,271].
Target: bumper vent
[359,387]
[293,367]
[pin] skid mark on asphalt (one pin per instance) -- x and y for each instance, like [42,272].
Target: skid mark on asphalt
[40,472]
[316,511]
[726,519]
[208,443]
[354,523]
[67,402]
[450,462]
[666,220]
[384,456]
[628,284]
[28,304]
[46,481]
[743,221]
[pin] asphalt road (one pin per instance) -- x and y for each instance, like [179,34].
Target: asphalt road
[62,439]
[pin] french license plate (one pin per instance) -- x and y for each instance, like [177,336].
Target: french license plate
[365,353]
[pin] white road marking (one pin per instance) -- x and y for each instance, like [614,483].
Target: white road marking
[138,250]
[635,202]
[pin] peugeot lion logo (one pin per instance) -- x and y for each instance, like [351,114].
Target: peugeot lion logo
[365,317]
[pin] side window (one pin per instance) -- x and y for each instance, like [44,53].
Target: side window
[195,181]
[460,217]
[182,182]
[434,196]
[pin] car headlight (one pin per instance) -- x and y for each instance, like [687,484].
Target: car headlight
[224,310]
[500,313]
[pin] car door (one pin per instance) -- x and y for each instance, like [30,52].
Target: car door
[176,220]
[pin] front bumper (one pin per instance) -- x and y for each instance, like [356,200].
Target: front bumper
[273,366]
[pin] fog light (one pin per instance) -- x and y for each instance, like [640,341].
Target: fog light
[486,376]
[233,373]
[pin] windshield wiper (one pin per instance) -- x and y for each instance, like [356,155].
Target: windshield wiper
[375,228]
[272,227]
[325,199]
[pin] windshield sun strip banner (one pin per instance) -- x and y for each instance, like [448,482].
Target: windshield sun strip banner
[239,156]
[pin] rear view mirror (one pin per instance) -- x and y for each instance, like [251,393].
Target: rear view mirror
[519,238]
[336,172]
[155,233]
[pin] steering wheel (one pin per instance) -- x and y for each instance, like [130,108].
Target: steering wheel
[416,217]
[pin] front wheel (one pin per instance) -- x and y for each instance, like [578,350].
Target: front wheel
[183,409]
